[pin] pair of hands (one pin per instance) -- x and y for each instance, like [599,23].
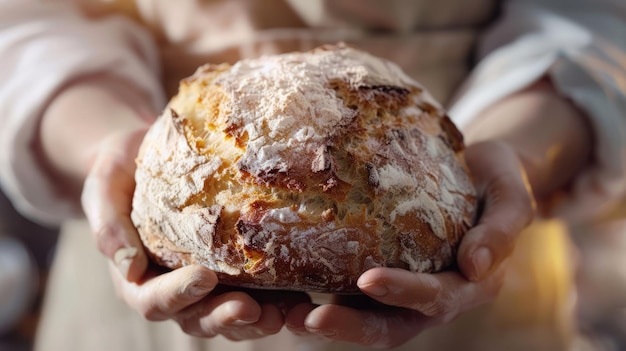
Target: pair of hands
[105,114]
[399,304]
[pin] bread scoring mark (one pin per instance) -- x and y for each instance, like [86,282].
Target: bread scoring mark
[254,238]
[298,110]
[452,136]
[384,97]
[270,177]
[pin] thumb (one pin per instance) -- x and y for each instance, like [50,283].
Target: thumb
[107,201]
[507,208]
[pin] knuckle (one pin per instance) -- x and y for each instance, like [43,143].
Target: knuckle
[435,308]
[151,306]
[443,303]
[405,302]
[170,301]
[105,233]
[499,238]
[271,330]
[190,326]
[503,240]
[150,312]
[381,338]
[186,326]
[165,302]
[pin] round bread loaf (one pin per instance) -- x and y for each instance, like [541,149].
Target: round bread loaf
[301,171]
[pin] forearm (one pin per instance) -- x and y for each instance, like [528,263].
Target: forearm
[551,136]
[45,47]
[79,118]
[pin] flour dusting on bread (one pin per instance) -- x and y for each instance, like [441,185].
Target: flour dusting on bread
[301,171]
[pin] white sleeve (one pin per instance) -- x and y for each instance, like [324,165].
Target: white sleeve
[581,46]
[42,47]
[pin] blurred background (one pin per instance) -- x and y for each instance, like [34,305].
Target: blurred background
[26,252]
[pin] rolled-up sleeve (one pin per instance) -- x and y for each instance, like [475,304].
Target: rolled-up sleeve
[42,47]
[581,46]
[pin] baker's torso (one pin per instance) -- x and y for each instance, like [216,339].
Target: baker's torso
[432,40]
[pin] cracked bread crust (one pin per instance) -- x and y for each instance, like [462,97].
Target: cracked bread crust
[301,171]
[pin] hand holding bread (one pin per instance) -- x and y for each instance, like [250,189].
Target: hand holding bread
[189,296]
[401,304]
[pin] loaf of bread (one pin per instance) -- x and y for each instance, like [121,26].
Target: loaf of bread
[301,171]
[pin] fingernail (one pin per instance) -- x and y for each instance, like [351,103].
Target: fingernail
[198,290]
[123,258]
[375,290]
[482,261]
[322,332]
[241,322]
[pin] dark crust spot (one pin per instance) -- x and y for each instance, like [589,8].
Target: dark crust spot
[429,108]
[384,97]
[373,179]
[389,98]
[453,137]
[257,210]
[253,245]
[270,178]
[232,130]
[250,229]
[389,90]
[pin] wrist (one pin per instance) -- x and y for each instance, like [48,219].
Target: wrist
[79,118]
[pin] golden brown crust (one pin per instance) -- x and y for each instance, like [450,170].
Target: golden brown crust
[301,171]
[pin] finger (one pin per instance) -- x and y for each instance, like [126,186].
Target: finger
[220,315]
[294,320]
[508,209]
[283,300]
[444,295]
[163,296]
[385,328]
[107,198]
[270,323]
